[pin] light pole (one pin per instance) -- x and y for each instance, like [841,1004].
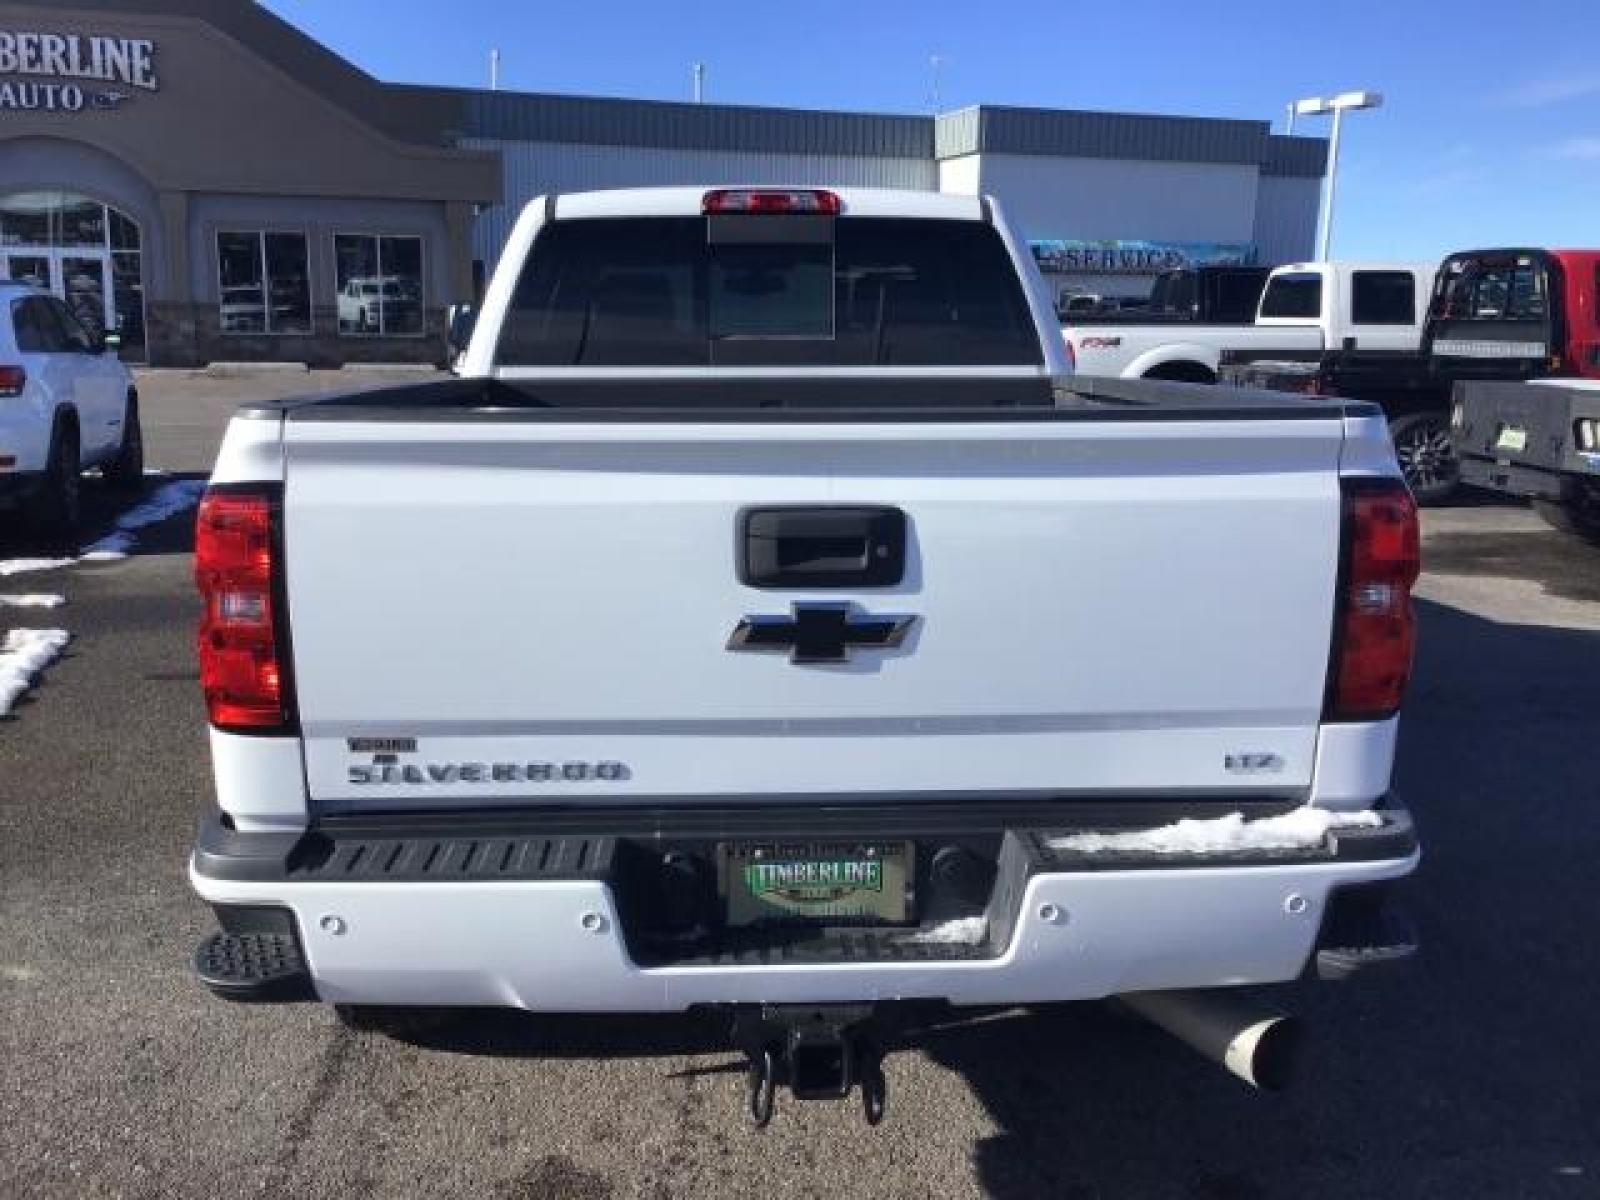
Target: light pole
[1316,106]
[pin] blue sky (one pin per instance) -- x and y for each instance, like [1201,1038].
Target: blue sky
[1490,134]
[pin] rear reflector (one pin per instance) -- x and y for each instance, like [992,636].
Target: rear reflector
[1375,627]
[808,201]
[243,648]
[12,381]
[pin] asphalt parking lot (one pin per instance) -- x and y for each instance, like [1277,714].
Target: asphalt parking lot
[1476,1074]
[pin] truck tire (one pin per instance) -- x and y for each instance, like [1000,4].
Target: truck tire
[1427,455]
[125,472]
[55,509]
[1576,513]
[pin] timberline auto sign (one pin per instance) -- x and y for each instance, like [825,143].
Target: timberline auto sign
[60,59]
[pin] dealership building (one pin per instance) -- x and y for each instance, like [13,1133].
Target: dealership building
[221,187]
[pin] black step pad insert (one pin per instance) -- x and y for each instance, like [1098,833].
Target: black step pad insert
[455,857]
[254,967]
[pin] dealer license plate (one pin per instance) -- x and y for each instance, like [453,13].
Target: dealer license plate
[818,883]
[1512,438]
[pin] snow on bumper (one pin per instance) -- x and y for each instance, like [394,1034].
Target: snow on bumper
[558,946]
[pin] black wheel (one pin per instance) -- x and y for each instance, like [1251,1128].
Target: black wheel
[56,507]
[125,473]
[874,1094]
[1427,455]
[1576,513]
[761,1084]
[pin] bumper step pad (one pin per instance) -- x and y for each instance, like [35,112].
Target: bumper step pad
[254,968]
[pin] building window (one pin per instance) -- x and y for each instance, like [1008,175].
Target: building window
[380,284]
[1383,298]
[264,283]
[83,251]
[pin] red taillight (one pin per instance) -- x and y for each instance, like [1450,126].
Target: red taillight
[12,381]
[1072,354]
[801,202]
[1375,627]
[243,664]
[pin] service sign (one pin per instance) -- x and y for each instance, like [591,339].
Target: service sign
[1065,256]
[73,73]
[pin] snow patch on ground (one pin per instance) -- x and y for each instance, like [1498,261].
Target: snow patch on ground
[21,566]
[23,654]
[963,931]
[1301,829]
[168,500]
[32,600]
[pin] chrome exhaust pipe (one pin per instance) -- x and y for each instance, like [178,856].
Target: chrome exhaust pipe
[1256,1044]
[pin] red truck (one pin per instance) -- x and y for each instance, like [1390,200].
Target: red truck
[1519,332]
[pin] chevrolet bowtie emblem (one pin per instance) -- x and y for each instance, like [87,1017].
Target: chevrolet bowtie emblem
[820,633]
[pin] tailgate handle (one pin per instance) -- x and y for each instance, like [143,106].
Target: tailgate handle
[822,547]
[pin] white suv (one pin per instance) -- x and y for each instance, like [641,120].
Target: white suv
[66,403]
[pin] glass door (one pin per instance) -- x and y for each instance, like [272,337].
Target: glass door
[28,268]
[85,252]
[83,287]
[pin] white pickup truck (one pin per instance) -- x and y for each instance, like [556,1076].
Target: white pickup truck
[1307,308]
[765,619]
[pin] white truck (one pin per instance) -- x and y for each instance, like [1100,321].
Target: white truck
[765,619]
[1306,309]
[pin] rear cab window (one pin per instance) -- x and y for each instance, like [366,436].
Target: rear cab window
[1295,295]
[1383,298]
[763,290]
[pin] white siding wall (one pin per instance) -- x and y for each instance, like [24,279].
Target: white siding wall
[535,168]
[1286,218]
[1099,198]
[962,176]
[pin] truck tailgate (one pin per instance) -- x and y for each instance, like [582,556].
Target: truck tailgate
[493,609]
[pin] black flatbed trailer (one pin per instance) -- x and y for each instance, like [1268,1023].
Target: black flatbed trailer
[1538,440]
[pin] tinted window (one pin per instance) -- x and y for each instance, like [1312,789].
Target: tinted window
[36,327]
[852,292]
[1238,293]
[1293,296]
[1383,298]
[761,291]
[1174,294]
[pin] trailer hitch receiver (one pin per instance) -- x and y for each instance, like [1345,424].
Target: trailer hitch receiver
[817,1052]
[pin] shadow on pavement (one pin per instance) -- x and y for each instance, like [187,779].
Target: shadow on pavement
[1562,565]
[1474,1073]
[102,508]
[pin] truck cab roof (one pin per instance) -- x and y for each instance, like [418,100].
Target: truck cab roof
[690,202]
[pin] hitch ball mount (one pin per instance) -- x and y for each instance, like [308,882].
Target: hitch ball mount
[818,1052]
